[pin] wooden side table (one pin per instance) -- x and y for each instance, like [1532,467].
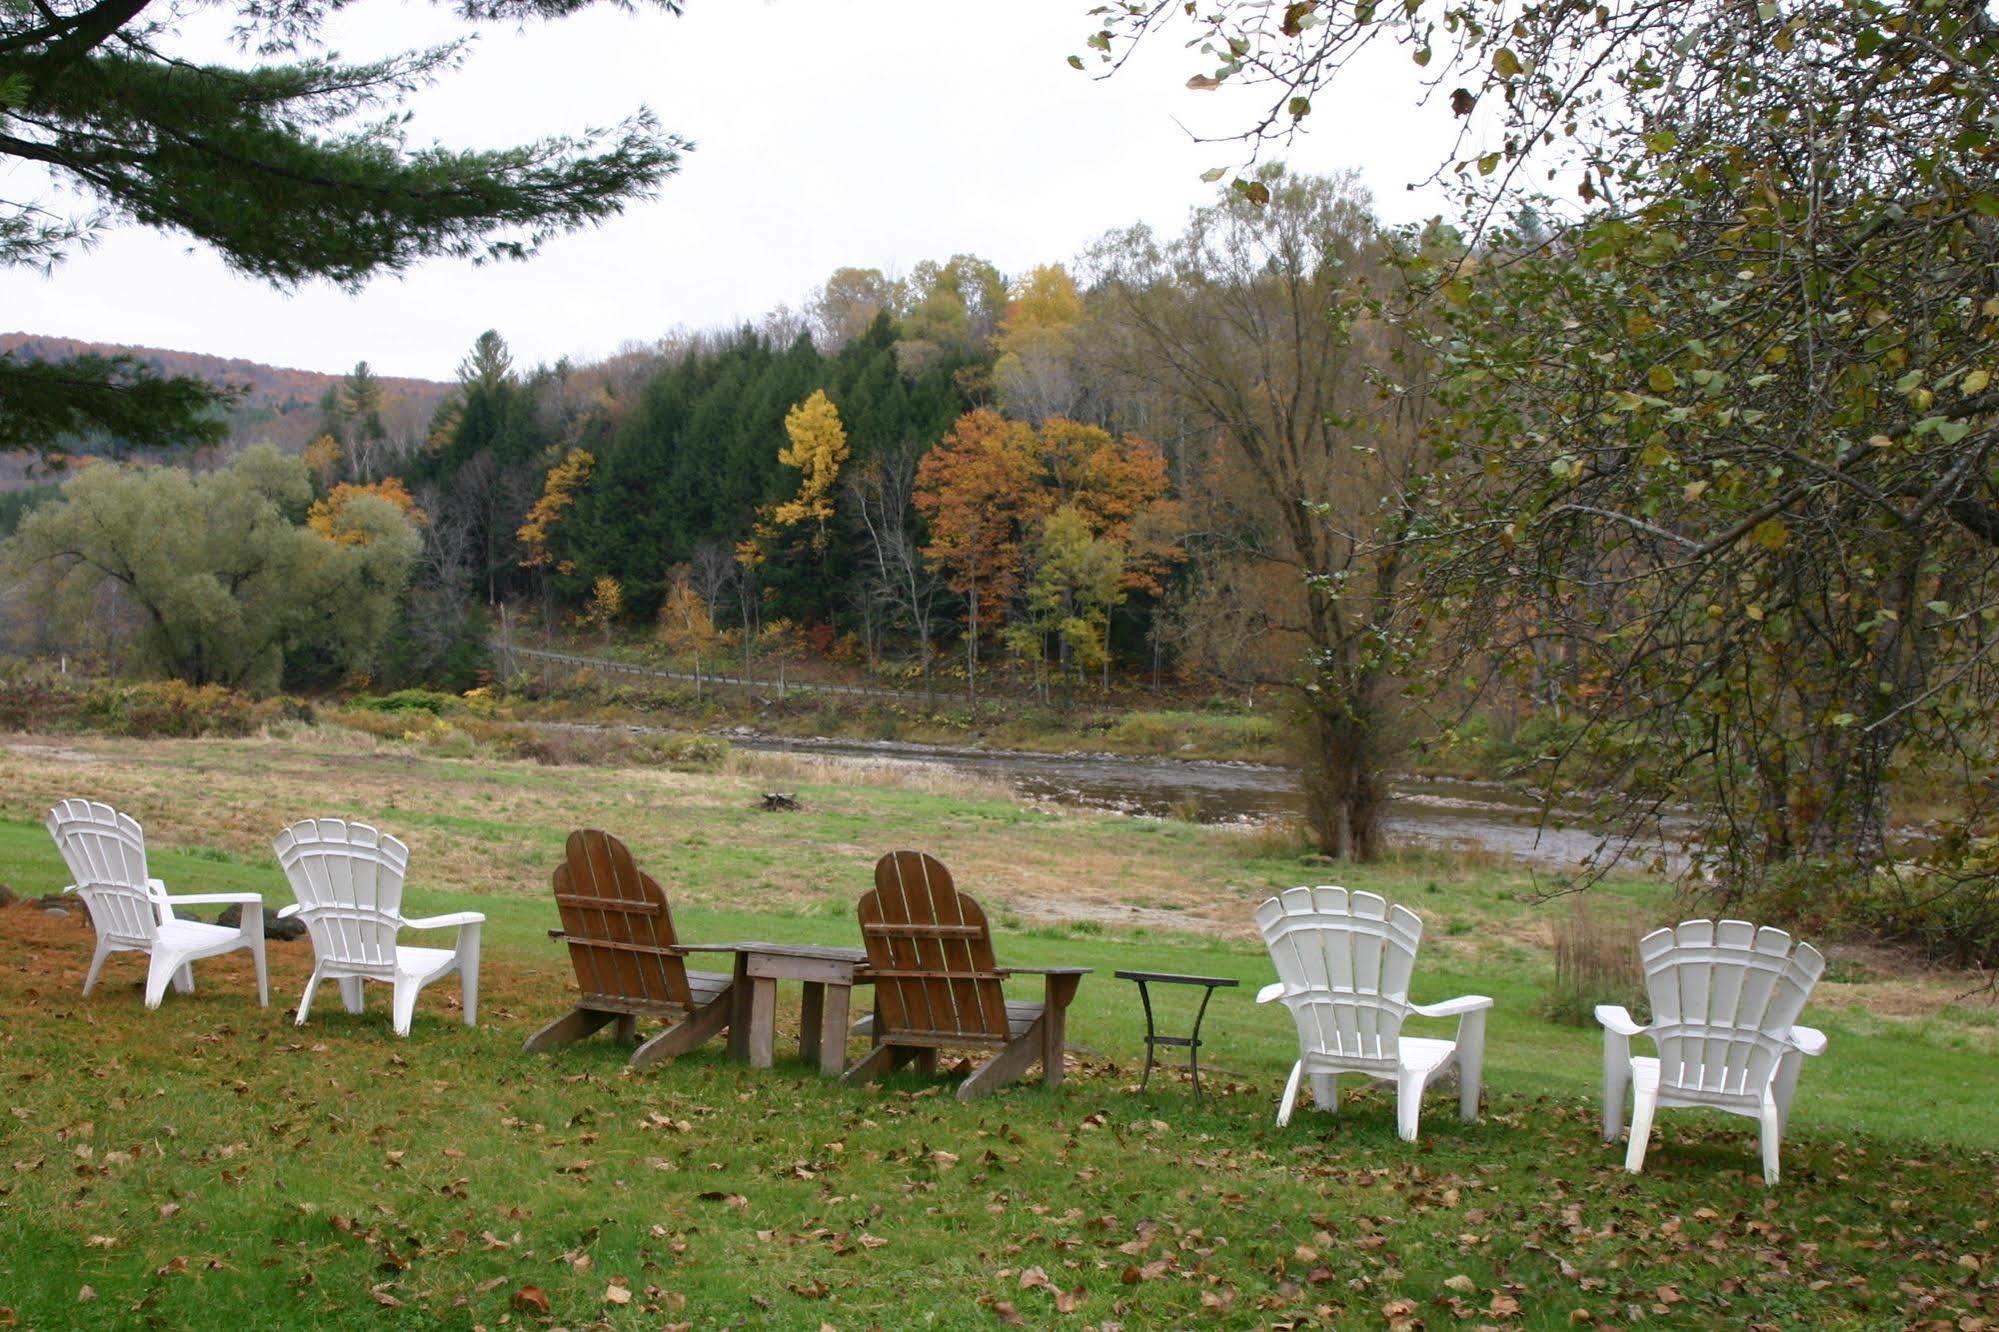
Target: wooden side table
[828,975]
[1191,1042]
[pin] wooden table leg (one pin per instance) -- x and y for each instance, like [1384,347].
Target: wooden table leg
[833,1030]
[763,1020]
[810,1009]
[739,1015]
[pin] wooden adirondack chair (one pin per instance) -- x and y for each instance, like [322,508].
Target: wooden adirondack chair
[1725,996]
[348,878]
[1344,961]
[620,933]
[930,959]
[132,912]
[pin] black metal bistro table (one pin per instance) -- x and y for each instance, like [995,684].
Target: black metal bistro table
[1191,1042]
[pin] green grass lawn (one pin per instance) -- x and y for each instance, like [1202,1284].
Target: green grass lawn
[210,1165]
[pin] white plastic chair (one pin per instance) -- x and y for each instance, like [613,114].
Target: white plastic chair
[1724,999]
[131,912]
[1343,963]
[348,878]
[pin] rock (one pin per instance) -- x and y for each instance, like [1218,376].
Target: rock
[55,911]
[284,931]
[53,901]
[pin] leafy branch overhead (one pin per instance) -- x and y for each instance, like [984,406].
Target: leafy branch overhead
[295,169]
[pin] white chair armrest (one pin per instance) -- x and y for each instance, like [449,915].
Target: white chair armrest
[1808,1040]
[291,910]
[69,888]
[1615,1017]
[1274,990]
[157,885]
[1470,1003]
[200,899]
[445,922]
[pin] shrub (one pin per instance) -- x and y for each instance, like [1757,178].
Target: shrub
[408,700]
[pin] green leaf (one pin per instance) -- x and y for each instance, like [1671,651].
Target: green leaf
[1300,107]
[1662,142]
[1213,174]
[1661,379]
[1506,64]
[1488,164]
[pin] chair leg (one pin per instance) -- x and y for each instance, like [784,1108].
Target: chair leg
[305,1000]
[1773,1132]
[1408,1104]
[1290,1094]
[404,1004]
[1643,1103]
[351,993]
[164,969]
[1326,1092]
[1786,1086]
[257,957]
[1616,1082]
[184,979]
[1471,1064]
[97,960]
[468,972]
[571,1026]
[870,1066]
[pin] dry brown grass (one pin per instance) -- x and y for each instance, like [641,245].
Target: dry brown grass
[1595,963]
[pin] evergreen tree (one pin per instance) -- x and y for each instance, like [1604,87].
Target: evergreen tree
[290,170]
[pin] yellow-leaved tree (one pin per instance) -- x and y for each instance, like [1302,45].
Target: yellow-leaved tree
[818,448]
[605,607]
[685,624]
[558,492]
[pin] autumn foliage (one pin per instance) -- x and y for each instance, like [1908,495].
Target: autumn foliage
[325,515]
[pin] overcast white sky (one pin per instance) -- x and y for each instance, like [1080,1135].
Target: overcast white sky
[875,133]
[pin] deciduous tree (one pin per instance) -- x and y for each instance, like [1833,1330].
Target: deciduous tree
[228,580]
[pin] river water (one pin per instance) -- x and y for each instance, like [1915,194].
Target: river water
[1441,812]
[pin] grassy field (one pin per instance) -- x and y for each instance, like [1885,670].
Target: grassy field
[210,1165]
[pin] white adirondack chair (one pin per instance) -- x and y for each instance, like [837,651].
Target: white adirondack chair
[1725,996]
[132,912]
[1343,963]
[348,878]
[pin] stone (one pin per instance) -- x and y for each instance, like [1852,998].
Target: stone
[283,931]
[55,911]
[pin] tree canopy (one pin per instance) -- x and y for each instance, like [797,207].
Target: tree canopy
[292,167]
[230,579]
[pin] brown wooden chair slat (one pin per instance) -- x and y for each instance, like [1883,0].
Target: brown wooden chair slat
[621,940]
[937,985]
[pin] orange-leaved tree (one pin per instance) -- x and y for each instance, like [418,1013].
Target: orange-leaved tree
[325,516]
[989,486]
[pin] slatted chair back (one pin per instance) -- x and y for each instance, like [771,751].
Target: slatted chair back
[106,855]
[930,955]
[1724,998]
[1345,960]
[348,878]
[619,929]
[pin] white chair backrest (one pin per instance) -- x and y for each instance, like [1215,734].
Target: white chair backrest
[106,854]
[1345,960]
[348,878]
[1724,998]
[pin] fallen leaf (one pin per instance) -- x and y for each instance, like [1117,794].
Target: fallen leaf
[617,1294]
[533,1299]
[86,1294]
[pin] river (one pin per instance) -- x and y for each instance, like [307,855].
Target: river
[1430,812]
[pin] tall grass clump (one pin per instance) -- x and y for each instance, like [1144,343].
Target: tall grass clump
[1595,963]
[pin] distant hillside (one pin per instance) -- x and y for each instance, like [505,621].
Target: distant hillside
[279,406]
